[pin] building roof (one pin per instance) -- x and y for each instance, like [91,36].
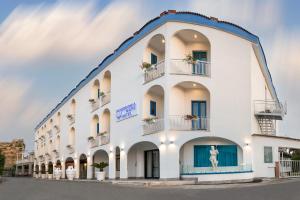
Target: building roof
[172,16]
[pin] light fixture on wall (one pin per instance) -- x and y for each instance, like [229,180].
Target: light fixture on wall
[162,142]
[194,85]
[195,36]
[163,41]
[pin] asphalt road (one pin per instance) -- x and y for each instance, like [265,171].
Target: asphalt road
[33,189]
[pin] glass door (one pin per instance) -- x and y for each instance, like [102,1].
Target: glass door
[199,110]
[199,67]
[152,164]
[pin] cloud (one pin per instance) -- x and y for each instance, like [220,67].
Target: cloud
[249,13]
[64,31]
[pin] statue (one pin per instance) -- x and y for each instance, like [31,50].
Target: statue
[213,157]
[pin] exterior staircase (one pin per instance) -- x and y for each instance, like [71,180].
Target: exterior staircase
[266,113]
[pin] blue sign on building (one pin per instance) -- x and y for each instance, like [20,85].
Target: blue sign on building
[126,112]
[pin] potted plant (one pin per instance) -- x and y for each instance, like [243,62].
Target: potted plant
[190,117]
[102,133]
[69,116]
[57,172]
[146,66]
[69,146]
[150,120]
[92,101]
[190,59]
[101,94]
[100,175]
[91,138]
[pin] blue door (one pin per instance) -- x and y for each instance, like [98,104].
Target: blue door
[199,67]
[199,110]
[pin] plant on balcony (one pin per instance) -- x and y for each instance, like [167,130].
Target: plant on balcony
[150,120]
[101,94]
[102,133]
[190,117]
[92,100]
[190,59]
[69,116]
[91,138]
[69,146]
[145,66]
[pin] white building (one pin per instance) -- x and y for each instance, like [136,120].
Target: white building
[161,122]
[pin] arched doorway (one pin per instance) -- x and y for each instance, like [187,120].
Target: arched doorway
[69,162]
[101,156]
[58,164]
[194,156]
[50,168]
[143,161]
[43,168]
[83,166]
[117,162]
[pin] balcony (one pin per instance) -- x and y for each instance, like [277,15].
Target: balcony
[71,118]
[70,148]
[93,141]
[105,98]
[154,71]
[104,138]
[269,109]
[152,125]
[183,67]
[95,104]
[188,123]
[57,129]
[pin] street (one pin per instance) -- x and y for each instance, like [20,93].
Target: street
[33,189]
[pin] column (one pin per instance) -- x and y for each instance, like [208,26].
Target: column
[89,167]
[76,164]
[123,165]
[169,161]
[30,169]
[46,167]
[112,165]
[63,169]
[23,169]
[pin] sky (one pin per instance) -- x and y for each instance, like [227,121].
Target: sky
[47,47]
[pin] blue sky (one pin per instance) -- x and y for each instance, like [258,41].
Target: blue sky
[47,47]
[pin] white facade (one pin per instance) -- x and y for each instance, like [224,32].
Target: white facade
[229,80]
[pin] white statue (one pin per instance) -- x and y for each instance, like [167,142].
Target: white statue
[213,157]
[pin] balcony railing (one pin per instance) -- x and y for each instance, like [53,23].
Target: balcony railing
[191,170]
[70,148]
[155,71]
[104,139]
[105,99]
[71,118]
[186,123]
[181,66]
[269,108]
[93,141]
[153,126]
[95,103]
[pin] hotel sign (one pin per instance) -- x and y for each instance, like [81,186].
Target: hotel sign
[126,112]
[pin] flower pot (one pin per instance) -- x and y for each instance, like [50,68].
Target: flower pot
[70,173]
[57,173]
[43,176]
[100,176]
[50,176]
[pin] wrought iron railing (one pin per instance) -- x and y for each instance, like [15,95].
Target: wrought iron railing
[155,71]
[184,123]
[95,103]
[181,66]
[153,126]
[269,107]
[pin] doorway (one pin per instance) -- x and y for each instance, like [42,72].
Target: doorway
[152,164]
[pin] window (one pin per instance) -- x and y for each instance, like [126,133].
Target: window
[98,127]
[268,155]
[153,59]
[98,93]
[153,108]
